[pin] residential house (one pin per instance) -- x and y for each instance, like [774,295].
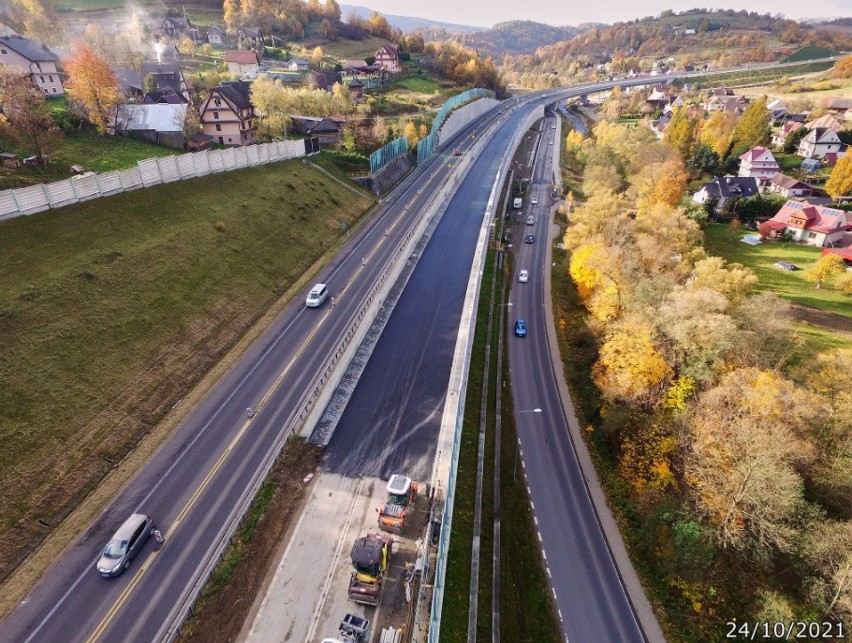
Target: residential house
[840,107]
[356,67]
[161,123]
[176,27]
[328,131]
[827,121]
[167,80]
[673,103]
[228,114]
[815,225]
[217,36]
[777,109]
[356,90]
[242,63]
[819,142]
[779,136]
[843,253]
[387,58]
[729,104]
[725,189]
[657,100]
[131,84]
[305,124]
[759,163]
[35,59]
[659,126]
[250,38]
[789,187]
[297,64]
[722,91]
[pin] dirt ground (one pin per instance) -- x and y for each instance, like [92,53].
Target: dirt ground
[220,616]
[823,319]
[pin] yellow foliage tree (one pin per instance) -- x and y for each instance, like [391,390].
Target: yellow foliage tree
[645,459]
[630,365]
[574,141]
[595,269]
[840,182]
[679,392]
[410,132]
[826,268]
[732,280]
[660,183]
[716,132]
[842,68]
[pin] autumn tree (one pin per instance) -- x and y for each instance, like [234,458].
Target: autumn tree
[680,132]
[842,68]
[603,217]
[825,269]
[631,366]
[272,102]
[752,128]
[93,84]
[410,132]
[716,132]
[574,141]
[741,465]
[647,451]
[25,108]
[827,548]
[34,18]
[840,182]
[844,283]
[659,183]
[732,280]
[596,270]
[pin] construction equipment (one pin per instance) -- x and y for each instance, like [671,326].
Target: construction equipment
[402,492]
[353,629]
[370,557]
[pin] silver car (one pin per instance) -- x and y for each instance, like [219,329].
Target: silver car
[125,544]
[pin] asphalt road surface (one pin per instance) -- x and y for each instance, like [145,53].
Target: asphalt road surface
[587,587]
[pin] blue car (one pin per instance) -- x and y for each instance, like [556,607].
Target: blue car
[521,328]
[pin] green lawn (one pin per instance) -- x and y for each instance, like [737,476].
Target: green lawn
[81,147]
[809,53]
[789,285]
[112,309]
[354,49]
[420,84]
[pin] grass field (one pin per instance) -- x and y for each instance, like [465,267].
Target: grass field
[354,49]
[111,310]
[789,285]
[843,89]
[84,147]
[420,84]
[809,53]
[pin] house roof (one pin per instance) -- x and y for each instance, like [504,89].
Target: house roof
[839,103]
[390,50]
[821,135]
[789,127]
[324,125]
[354,64]
[355,83]
[242,57]
[817,218]
[789,183]
[249,32]
[30,49]
[846,252]
[237,93]
[732,186]
[178,22]
[129,79]
[826,120]
[160,117]
[755,153]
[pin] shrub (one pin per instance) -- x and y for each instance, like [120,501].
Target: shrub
[220,226]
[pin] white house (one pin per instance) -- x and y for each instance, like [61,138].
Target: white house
[819,142]
[759,163]
[297,64]
[815,225]
[37,61]
[242,64]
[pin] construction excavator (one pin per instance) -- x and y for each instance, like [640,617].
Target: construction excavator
[370,557]
[402,492]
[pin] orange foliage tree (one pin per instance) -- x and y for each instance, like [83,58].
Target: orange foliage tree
[93,84]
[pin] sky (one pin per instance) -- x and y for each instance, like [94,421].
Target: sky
[573,12]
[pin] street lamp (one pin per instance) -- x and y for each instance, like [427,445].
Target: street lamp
[518,444]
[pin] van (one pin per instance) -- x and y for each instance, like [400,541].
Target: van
[317,296]
[518,203]
[125,544]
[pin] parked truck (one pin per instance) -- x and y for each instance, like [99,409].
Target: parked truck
[402,492]
[518,203]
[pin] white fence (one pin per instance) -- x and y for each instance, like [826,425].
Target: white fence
[38,198]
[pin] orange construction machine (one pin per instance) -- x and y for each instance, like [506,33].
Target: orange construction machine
[402,492]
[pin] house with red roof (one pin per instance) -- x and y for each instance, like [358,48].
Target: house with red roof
[779,136]
[759,163]
[815,225]
[387,58]
[242,63]
[843,253]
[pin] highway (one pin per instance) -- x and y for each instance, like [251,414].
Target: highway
[196,483]
[589,595]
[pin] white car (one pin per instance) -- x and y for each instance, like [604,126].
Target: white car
[524,276]
[534,200]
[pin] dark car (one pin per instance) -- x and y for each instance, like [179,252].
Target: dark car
[125,544]
[457,152]
[529,238]
[521,328]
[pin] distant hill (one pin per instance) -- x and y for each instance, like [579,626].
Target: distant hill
[407,23]
[514,37]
